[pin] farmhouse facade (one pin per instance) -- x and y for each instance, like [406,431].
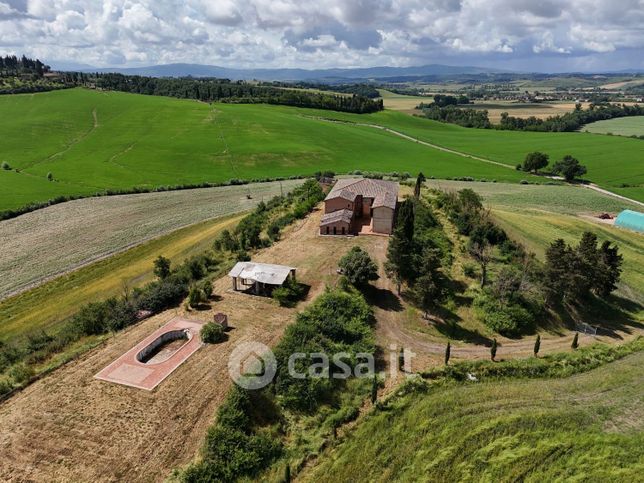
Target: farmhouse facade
[360,205]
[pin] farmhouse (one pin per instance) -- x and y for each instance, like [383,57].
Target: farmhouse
[360,206]
[259,278]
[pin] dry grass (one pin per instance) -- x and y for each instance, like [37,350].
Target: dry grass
[68,426]
[43,244]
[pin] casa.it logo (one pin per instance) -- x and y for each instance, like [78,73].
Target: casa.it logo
[252,365]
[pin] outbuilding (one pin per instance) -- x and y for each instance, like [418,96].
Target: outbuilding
[259,278]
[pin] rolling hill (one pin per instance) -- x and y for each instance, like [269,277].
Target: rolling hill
[92,141]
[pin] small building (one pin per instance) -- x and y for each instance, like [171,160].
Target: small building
[360,205]
[631,220]
[259,278]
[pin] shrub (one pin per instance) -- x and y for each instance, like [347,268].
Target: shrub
[289,293]
[6,166]
[523,181]
[469,269]
[20,373]
[50,176]
[212,333]
[509,319]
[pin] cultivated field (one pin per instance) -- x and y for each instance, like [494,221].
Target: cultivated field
[539,110]
[612,161]
[623,126]
[587,427]
[45,243]
[401,102]
[91,141]
[48,305]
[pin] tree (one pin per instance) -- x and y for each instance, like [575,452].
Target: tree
[482,253]
[161,267]
[374,389]
[196,296]
[535,161]
[420,179]
[358,267]
[401,359]
[448,351]
[537,345]
[493,349]
[575,341]
[429,287]
[400,260]
[569,167]
[50,176]
[6,166]
[609,270]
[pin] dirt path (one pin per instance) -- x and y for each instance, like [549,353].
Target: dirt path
[70,427]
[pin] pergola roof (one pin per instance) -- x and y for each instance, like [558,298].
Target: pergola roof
[261,272]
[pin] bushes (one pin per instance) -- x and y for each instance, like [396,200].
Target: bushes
[289,293]
[506,318]
[212,333]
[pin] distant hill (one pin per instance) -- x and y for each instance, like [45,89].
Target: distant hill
[328,75]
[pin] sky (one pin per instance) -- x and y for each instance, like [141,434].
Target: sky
[522,35]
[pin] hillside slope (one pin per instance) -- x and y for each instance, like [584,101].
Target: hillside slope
[584,428]
[91,141]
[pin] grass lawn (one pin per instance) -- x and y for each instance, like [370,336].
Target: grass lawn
[46,306]
[587,427]
[622,126]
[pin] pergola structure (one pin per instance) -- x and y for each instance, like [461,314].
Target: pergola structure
[259,277]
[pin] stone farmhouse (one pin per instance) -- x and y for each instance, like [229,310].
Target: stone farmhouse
[360,206]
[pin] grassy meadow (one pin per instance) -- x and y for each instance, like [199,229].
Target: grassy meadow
[622,126]
[587,427]
[91,141]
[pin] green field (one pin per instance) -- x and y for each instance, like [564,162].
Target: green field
[587,427]
[93,140]
[622,126]
[612,161]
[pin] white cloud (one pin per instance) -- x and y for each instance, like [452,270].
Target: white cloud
[322,33]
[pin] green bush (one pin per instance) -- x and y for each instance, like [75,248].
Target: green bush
[470,270]
[509,319]
[212,333]
[289,293]
[6,166]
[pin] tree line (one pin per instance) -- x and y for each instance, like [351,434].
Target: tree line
[568,122]
[225,90]
[11,65]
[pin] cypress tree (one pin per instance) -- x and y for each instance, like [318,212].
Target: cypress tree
[287,474]
[374,389]
[575,341]
[537,345]
[401,359]
[419,184]
[493,349]
[448,350]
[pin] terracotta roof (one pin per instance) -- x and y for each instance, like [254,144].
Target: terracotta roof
[349,188]
[387,199]
[340,215]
